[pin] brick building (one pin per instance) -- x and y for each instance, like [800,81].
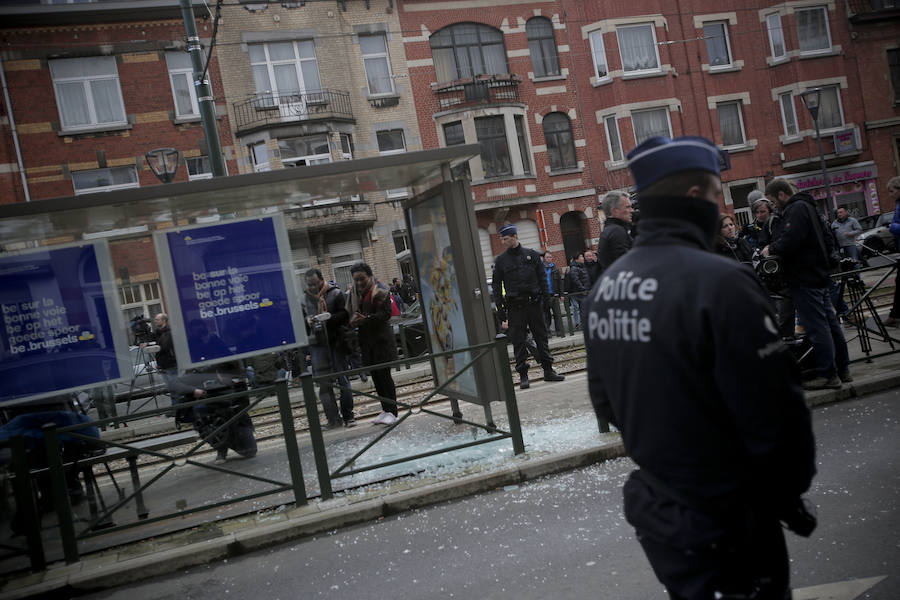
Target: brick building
[318,82]
[91,88]
[502,74]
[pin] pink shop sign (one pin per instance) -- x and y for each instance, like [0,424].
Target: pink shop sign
[837,177]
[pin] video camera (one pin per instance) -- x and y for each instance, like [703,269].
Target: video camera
[141,330]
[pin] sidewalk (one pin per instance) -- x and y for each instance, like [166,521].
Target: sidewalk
[560,434]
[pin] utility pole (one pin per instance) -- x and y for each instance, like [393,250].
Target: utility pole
[204,92]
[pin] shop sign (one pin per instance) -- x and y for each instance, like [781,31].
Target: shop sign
[835,177]
[845,141]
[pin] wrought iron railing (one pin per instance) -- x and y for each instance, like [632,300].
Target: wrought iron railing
[481,89]
[872,10]
[273,108]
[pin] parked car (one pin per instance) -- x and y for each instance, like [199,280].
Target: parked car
[876,235]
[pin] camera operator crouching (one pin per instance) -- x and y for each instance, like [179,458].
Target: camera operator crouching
[805,247]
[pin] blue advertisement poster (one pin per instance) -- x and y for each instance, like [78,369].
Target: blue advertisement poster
[230,290]
[56,333]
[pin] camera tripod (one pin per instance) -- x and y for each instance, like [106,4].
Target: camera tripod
[144,357]
[861,309]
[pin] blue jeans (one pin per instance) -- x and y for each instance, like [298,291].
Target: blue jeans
[850,252]
[575,303]
[328,360]
[823,331]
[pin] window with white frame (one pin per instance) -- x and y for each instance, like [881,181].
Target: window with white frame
[650,123]
[139,300]
[259,156]
[104,180]
[524,154]
[346,146]
[718,49]
[392,141]
[731,123]
[87,92]
[495,158]
[637,45]
[377,64]
[776,36]
[560,145]
[613,139]
[181,77]
[198,168]
[831,115]
[812,29]
[788,114]
[465,50]
[598,52]
[284,68]
[454,136]
[304,151]
[542,46]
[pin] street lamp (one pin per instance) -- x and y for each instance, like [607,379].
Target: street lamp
[810,99]
[164,162]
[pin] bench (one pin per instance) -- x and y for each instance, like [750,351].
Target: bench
[129,454]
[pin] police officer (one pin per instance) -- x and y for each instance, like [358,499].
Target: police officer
[722,458]
[520,290]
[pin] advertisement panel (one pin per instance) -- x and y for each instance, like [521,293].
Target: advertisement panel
[61,328]
[230,290]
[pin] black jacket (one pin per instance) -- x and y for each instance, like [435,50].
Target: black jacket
[738,250]
[519,272]
[555,283]
[796,241]
[165,358]
[579,280]
[614,241]
[336,304]
[671,332]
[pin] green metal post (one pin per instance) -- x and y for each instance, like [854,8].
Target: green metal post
[205,98]
[509,395]
[290,441]
[26,512]
[60,493]
[315,435]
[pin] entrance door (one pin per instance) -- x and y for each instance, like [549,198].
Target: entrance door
[572,225]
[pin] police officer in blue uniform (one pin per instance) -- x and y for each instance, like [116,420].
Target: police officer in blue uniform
[520,290]
[671,329]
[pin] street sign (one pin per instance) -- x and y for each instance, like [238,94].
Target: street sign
[60,324]
[230,290]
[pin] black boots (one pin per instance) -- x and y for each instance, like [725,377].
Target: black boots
[524,384]
[551,375]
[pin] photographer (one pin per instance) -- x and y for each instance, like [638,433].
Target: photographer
[804,246]
[165,358]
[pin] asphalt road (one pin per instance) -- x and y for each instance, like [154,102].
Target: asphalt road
[564,537]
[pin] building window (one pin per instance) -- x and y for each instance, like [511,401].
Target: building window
[468,49]
[377,65]
[401,242]
[788,114]
[283,69]
[812,29]
[104,180]
[542,47]
[198,168]
[601,70]
[650,123]
[523,144]
[717,46]
[87,92]
[495,159]
[893,60]
[259,156]
[776,36]
[391,141]
[731,123]
[613,139]
[637,44]
[560,146]
[181,77]
[830,114]
[454,136]
[139,300]
[304,151]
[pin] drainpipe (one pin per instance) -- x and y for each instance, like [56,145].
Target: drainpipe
[15,135]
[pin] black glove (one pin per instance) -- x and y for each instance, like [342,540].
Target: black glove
[800,517]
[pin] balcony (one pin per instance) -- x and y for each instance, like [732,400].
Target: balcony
[331,215]
[478,90]
[870,11]
[271,109]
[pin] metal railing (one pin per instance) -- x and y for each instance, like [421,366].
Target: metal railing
[493,89]
[266,109]
[872,10]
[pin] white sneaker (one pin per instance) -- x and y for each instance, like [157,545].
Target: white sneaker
[388,419]
[379,420]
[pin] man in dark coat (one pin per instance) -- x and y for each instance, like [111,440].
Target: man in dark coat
[722,458]
[615,239]
[326,347]
[554,283]
[579,283]
[520,289]
[803,243]
[370,313]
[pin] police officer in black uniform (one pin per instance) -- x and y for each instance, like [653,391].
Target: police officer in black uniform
[671,331]
[520,291]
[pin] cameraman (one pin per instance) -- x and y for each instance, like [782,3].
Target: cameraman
[165,358]
[804,246]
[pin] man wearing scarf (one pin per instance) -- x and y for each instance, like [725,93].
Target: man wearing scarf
[722,458]
[370,313]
